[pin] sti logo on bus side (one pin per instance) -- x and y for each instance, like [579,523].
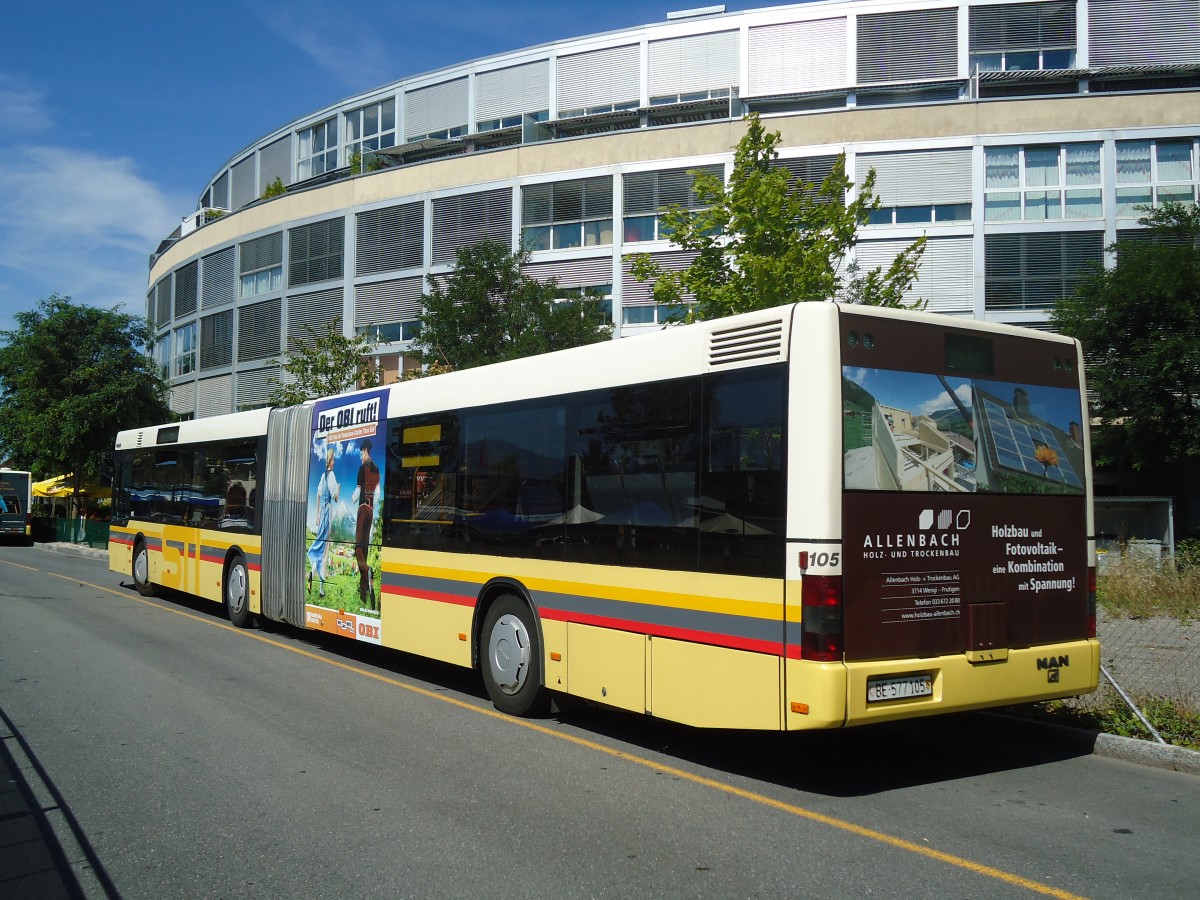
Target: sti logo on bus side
[1052,665]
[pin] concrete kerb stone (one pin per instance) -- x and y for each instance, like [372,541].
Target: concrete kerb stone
[1112,746]
[74,549]
[1147,753]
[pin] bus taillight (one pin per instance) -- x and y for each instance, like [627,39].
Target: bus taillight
[821,602]
[1091,609]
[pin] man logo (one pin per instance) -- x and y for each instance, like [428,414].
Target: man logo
[1053,666]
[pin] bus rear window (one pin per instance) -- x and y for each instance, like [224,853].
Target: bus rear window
[969,354]
[916,431]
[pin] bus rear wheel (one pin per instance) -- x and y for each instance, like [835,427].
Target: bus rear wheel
[237,592]
[512,659]
[141,570]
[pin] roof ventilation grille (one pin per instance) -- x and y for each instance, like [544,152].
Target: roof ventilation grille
[760,340]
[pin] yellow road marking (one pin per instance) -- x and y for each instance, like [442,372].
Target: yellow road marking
[18,566]
[761,799]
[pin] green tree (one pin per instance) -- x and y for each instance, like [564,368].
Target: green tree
[71,377]
[1139,323]
[488,310]
[327,363]
[762,242]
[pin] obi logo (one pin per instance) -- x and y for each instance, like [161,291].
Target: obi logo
[1052,665]
[946,519]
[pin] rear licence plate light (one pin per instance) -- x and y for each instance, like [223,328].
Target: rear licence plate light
[879,689]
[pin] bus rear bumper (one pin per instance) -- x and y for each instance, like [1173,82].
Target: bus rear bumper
[1045,672]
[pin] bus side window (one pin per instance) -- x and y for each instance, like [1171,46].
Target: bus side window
[742,498]
[421,484]
[638,452]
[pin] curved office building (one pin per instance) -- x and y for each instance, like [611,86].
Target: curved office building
[1018,136]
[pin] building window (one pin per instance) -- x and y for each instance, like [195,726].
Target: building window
[1154,172]
[162,354]
[511,121]
[371,128]
[261,265]
[184,345]
[317,151]
[315,252]
[648,194]
[1036,270]
[391,332]
[564,214]
[654,313]
[602,292]
[1022,37]
[1038,183]
[921,214]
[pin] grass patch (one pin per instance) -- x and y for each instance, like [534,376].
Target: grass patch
[1175,722]
[1141,589]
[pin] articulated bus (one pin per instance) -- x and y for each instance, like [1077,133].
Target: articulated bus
[809,517]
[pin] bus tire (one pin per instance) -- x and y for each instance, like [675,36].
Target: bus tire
[511,661]
[236,591]
[141,570]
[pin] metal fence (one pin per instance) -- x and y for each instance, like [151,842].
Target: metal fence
[1148,623]
[81,531]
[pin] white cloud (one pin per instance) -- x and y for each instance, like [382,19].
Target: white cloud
[942,401]
[346,45]
[79,224]
[22,109]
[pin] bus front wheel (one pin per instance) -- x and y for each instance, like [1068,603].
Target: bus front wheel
[141,570]
[237,592]
[512,659]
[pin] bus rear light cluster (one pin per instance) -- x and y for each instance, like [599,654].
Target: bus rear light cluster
[821,603]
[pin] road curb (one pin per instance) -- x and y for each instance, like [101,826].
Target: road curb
[1114,746]
[1147,753]
[73,549]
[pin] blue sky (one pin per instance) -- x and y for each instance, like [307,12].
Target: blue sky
[113,116]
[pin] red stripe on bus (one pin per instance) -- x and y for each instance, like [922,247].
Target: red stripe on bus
[438,596]
[773,648]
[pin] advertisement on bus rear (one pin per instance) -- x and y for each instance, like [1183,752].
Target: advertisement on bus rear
[344,528]
[965,491]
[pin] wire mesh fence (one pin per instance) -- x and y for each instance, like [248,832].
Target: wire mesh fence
[1148,623]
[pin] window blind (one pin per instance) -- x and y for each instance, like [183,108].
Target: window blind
[390,238]
[435,108]
[259,330]
[466,219]
[647,193]
[1022,26]
[186,289]
[216,278]
[512,91]
[797,57]
[909,45]
[1143,32]
[693,64]
[919,177]
[599,77]
[216,340]
[382,302]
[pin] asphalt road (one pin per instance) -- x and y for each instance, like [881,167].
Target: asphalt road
[172,755]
